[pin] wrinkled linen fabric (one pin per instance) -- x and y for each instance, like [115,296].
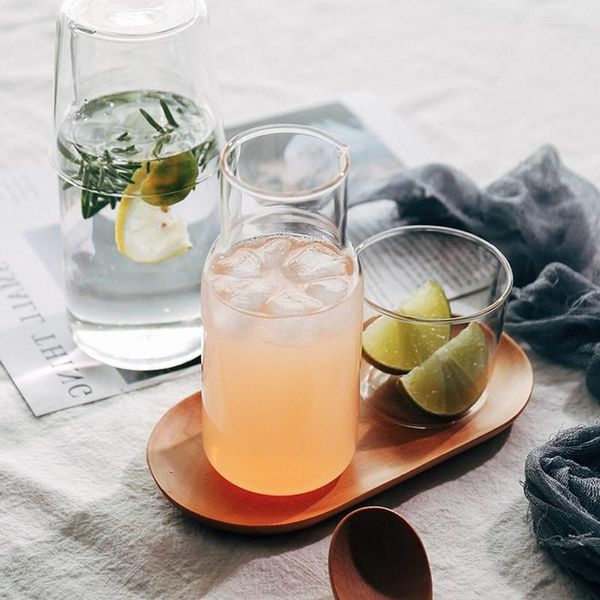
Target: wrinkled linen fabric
[538,213]
[559,316]
[562,483]
[544,218]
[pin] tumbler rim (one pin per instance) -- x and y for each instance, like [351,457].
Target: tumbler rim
[495,306]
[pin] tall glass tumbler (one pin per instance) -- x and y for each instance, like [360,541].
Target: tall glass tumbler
[282,301]
[137,139]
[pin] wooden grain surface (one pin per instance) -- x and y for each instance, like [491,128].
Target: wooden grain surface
[386,455]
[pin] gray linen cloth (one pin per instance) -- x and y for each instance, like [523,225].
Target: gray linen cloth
[562,483]
[559,315]
[545,219]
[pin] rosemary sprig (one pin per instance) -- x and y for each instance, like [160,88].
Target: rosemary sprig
[168,114]
[152,122]
[132,149]
[164,132]
[103,179]
[205,152]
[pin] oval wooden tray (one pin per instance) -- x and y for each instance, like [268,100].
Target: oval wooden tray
[387,454]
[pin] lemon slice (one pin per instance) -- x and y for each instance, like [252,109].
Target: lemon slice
[397,346]
[149,234]
[451,380]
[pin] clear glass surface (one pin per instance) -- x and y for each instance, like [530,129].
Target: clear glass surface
[137,139]
[282,304]
[476,279]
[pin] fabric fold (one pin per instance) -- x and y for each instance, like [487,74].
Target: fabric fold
[562,484]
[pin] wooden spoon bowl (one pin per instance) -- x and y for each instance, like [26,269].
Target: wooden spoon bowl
[375,554]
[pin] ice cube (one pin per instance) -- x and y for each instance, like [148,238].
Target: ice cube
[316,262]
[291,303]
[242,263]
[253,295]
[226,286]
[329,291]
[217,308]
[274,251]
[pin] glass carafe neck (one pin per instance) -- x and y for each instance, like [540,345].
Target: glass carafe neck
[284,179]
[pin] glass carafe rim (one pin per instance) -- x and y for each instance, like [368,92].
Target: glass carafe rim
[288,196]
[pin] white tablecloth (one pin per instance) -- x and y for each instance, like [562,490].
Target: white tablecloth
[485,83]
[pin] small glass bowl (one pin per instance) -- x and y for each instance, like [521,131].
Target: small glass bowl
[477,281]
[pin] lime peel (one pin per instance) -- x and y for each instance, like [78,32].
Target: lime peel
[452,379]
[396,346]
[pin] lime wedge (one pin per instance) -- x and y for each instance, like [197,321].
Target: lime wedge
[451,380]
[149,234]
[396,346]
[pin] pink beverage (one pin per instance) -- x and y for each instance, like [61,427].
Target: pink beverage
[283,322]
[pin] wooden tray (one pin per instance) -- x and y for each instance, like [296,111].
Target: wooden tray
[387,454]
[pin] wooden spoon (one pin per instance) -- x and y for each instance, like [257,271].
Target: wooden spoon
[375,554]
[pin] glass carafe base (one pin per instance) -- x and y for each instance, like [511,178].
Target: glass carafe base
[139,347]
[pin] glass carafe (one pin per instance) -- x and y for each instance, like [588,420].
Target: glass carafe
[282,302]
[137,139]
